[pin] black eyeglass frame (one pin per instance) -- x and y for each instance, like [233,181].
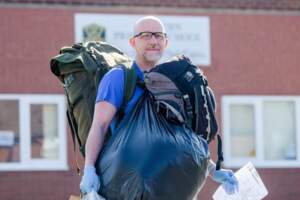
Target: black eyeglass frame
[152,34]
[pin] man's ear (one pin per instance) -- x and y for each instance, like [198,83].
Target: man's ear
[132,42]
[167,42]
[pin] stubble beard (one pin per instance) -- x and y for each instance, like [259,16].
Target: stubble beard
[152,57]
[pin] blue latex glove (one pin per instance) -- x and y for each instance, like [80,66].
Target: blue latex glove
[90,180]
[227,177]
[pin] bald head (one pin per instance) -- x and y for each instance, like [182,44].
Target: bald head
[148,42]
[148,24]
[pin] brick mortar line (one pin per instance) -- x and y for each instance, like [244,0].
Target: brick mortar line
[151,9]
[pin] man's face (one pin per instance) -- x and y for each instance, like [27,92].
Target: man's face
[149,41]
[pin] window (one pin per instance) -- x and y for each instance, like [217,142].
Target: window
[261,129]
[32,132]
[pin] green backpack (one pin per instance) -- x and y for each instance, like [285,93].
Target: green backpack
[80,68]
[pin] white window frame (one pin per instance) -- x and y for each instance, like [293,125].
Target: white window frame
[257,103]
[27,163]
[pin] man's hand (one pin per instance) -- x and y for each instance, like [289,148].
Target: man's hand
[227,177]
[90,180]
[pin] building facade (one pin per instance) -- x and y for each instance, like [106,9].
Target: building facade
[253,68]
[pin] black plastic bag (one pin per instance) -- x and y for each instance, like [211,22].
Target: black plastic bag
[151,158]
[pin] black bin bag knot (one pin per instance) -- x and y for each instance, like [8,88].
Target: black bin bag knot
[149,158]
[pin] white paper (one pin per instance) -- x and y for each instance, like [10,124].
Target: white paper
[251,186]
[92,196]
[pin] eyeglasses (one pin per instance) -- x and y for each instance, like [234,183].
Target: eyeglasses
[148,35]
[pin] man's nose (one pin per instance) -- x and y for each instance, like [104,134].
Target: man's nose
[153,39]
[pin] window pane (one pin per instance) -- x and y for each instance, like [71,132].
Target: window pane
[242,131]
[44,131]
[9,131]
[279,131]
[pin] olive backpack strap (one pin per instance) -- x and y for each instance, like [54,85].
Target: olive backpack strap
[130,81]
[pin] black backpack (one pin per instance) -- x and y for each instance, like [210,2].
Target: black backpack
[182,94]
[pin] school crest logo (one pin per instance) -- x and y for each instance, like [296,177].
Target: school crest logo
[93,32]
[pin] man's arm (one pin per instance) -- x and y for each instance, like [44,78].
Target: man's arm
[108,101]
[103,115]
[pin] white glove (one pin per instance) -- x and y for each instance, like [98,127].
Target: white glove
[90,180]
[225,177]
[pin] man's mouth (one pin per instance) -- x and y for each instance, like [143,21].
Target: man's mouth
[152,49]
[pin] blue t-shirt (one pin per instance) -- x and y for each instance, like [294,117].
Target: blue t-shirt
[111,89]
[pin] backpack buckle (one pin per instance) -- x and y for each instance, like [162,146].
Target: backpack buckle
[188,107]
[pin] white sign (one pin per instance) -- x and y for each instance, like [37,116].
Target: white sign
[188,35]
[7,138]
[251,186]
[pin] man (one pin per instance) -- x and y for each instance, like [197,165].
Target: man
[149,41]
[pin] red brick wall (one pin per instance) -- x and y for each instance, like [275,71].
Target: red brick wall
[29,38]
[228,4]
[251,54]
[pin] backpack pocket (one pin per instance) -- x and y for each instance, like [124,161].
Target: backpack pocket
[81,90]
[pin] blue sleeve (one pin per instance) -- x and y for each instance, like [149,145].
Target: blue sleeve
[111,88]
